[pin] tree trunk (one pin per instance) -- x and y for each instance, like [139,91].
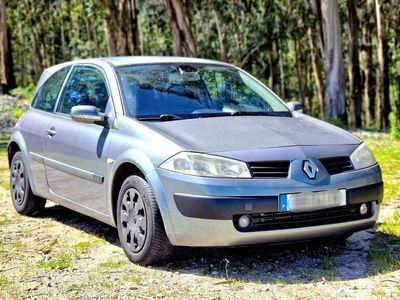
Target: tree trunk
[88,26]
[316,66]
[38,57]
[354,62]
[334,79]
[369,71]
[383,98]
[124,22]
[134,12]
[7,80]
[316,9]
[222,49]
[180,28]
[300,81]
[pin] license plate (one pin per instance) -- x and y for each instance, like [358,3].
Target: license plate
[311,201]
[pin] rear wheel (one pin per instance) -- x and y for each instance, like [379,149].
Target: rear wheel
[24,201]
[140,227]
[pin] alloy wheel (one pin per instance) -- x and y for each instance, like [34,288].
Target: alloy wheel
[18,181]
[133,220]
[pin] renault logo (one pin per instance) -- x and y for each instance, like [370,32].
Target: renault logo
[310,169]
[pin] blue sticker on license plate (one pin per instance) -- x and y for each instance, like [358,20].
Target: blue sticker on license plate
[283,203]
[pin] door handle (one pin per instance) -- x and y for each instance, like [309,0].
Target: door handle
[51,132]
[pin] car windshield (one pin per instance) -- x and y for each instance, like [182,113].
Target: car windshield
[175,91]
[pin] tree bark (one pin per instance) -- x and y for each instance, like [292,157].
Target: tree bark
[369,69]
[316,9]
[334,80]
[121,27]
[383,98]
[134,12]
[7,80]
[300,81]
[221,37]
[180,28]
[316,66]
[354,62]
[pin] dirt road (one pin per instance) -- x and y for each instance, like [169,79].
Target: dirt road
[62,254]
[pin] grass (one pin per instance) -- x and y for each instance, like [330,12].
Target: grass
[4,172]
[81,247]
[385,249]
[77,287]
[47,248]
[7,221]
[60,261]
[134,278]
[112,264]
[391,225]
[387,153]
[4,281]
[328,275]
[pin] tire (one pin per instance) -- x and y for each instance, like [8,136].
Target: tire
[23,199]
[140,227]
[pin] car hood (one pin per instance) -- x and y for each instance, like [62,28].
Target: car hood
[235,133]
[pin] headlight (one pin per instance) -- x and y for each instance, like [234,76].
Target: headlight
[362,157]
[198,164]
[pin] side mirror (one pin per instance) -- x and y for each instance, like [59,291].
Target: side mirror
[87,114]
[295,106]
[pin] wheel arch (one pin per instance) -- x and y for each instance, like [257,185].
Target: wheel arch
[123,171]
[12,148]
[135,162]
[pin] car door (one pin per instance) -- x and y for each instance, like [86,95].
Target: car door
[35,121]
[75,153]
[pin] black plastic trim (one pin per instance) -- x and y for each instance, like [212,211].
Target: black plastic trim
[373,192]
[224,208]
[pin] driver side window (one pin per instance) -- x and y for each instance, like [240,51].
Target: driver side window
[86,86]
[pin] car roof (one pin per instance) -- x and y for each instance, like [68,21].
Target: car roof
[118,61]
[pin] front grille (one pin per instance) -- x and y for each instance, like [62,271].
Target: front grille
[269,169]
[336,165]
[287,220]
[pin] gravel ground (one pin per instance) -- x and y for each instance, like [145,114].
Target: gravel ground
[65,255]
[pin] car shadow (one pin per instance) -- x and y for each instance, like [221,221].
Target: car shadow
[359,256]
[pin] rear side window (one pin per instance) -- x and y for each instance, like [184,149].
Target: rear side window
[46,97]
[85,86]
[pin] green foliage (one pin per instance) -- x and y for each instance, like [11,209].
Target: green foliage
[384,254]
[270,39]
[25,93]
[394,129]
[387,153]
[391,225]
[338,123]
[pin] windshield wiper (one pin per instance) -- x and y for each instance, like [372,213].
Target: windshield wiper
[261,113]
[249,113]
[162,118]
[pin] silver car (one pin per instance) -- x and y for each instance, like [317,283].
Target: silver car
[189,152]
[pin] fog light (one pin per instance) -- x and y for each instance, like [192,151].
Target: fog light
[244,221]
[363,209]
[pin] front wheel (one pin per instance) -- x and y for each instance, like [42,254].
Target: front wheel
[23,199]
[140,227]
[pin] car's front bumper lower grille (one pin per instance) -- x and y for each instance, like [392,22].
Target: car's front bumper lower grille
[287,220]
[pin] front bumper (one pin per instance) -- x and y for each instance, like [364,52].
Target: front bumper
[201,211]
